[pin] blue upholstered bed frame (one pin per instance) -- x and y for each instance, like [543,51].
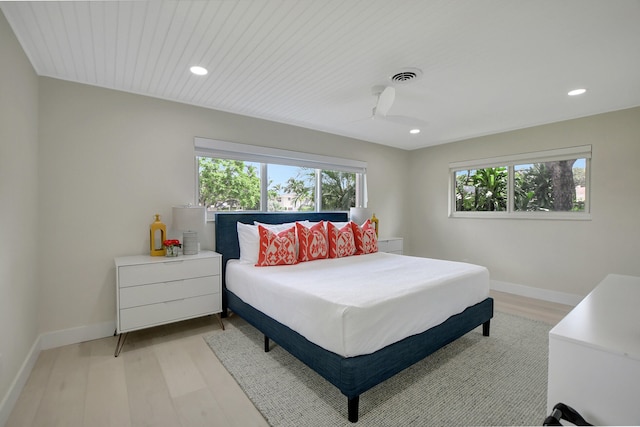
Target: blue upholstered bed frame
[351,375]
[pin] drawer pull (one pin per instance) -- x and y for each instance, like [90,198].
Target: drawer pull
[175,300]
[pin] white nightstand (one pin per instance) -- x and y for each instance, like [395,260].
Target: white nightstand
[152,291]
[392,245]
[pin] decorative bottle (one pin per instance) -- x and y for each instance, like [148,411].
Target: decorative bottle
[157,235]
[374,221]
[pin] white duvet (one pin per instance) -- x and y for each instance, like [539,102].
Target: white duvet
[359,304]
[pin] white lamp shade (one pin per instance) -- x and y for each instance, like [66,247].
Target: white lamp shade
[188,218]
[359,215]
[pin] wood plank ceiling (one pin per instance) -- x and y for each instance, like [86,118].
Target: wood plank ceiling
[487,66]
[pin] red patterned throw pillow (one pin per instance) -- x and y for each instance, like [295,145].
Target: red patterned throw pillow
[365,238]
[341,241]
[276,249]
[312,242]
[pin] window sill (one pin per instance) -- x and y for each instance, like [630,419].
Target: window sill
[557,216]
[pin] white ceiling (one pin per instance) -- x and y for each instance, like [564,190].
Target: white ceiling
[488,66]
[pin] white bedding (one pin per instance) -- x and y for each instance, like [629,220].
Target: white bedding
[359,304]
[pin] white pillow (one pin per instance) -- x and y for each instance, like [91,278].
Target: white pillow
[249,242]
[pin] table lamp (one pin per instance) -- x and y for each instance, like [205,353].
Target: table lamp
[359,215]
[189,219]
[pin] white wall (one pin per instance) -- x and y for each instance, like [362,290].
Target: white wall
[18,210]
[563,256]
[109,161]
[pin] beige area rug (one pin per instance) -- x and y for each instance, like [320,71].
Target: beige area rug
[496,380]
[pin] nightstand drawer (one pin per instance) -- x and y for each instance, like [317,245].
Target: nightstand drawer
[132,275]
[134,296]
[170,311]
[393,245]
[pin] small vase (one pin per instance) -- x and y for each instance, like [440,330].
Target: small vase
[172,251]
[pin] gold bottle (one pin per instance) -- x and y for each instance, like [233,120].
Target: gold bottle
[374,221]
[157,235]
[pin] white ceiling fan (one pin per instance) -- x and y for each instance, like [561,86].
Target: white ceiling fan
[386,97]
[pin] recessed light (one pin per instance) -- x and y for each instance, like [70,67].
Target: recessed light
[576,92]
[198,71]
[414,131]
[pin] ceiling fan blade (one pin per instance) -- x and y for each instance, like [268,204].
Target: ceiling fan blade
[385,101]
[386,97]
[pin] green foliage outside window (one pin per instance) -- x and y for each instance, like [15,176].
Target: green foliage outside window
[549,186]
[300,188]
[338,188]
[537,187]
[228,185]
[232,185]
[482,189]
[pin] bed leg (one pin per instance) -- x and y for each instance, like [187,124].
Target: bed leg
[485,328]
[352,405]
[266,344]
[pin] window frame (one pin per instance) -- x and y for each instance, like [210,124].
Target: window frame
[205,147]
[568,153]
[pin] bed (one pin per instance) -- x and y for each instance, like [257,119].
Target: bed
[352,367]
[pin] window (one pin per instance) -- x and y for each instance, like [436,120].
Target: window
[228,185]
[290,188]
[557,186]
[549,184]
[238,177]
[481,189]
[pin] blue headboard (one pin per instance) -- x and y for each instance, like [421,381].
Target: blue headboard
[227,233]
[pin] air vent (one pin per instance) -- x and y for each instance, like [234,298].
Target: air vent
[406,75]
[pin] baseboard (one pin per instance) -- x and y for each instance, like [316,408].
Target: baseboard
[75,335]
[10,399]
[43,342]
[537,293]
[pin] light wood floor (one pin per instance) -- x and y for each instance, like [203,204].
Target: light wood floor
[164,376]
[548,312]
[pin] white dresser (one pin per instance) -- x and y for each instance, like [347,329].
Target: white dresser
[152,291]
[594,355]
[392,245]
